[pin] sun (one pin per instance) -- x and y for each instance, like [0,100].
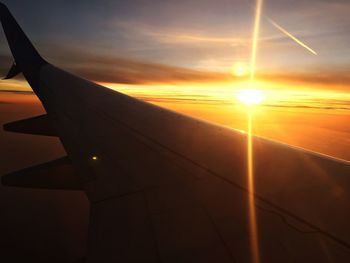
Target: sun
[251,96]
[239,69]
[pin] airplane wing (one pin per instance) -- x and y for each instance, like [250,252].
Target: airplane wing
[165,187]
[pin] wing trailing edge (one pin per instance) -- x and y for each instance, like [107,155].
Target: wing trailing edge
[39,125]
[57,174]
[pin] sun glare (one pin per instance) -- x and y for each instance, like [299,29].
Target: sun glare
[251,96]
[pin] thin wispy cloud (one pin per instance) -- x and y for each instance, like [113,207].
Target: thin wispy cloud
[104,68]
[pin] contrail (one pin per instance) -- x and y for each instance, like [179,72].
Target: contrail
[291,36]
[256,30]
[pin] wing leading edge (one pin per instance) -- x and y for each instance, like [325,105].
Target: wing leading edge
[165,187]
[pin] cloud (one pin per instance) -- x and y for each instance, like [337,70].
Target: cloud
[113,69]
[5,102]
[23,92]
[107,68]
[177,35]
[306,101]
[323,77]
[120,70]
[104,68]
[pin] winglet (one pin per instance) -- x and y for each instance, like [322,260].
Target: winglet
[22,49]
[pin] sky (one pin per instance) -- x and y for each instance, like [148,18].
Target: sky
[188,41]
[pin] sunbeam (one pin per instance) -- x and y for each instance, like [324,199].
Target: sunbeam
[255,39]
[251,100]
